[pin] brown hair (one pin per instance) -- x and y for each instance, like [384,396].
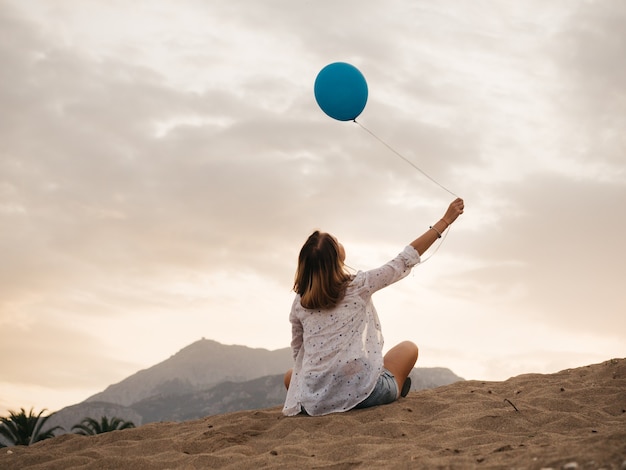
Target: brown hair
[321,279]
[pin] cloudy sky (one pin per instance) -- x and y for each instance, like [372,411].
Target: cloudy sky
[162,162]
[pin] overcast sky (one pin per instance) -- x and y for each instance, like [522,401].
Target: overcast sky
[162,162]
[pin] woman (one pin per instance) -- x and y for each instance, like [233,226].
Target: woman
[336,335]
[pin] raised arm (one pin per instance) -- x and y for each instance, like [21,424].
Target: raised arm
[422,243]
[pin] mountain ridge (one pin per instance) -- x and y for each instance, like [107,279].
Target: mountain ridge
[198,366]
[206,378]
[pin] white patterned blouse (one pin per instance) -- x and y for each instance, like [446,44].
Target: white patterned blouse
[338,352]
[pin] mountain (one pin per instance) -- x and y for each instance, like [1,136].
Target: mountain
[72,415]
[199,366]
[226,397]
[206,378]
[423,378]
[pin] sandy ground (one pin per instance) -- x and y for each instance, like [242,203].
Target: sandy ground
[573,419]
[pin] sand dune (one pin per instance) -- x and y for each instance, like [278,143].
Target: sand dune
[572,419]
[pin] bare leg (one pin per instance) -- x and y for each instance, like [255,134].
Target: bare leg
[400,360]
[287,379]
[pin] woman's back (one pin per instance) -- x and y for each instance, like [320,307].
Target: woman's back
[338,352]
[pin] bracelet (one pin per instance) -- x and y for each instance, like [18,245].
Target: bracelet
[438,232]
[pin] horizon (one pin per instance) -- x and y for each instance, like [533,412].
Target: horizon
[161,164]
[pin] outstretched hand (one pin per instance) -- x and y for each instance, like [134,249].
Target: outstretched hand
[454,210]
[423,242]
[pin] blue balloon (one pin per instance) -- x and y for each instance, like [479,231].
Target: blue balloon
[341,91]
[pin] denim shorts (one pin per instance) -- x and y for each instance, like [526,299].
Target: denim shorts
[386,391]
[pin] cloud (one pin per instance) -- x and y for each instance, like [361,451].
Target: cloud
[590,92]
[57,356]
[167,162]
[553,257]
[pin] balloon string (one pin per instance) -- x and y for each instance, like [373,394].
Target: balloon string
[404,158]
[445,235]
